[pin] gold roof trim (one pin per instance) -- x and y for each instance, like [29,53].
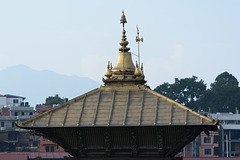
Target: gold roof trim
[110,106]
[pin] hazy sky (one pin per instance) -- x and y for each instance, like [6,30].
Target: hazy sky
[181,38]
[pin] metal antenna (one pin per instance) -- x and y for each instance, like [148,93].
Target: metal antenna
[138,40]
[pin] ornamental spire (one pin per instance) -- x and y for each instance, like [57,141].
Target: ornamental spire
[123,19]
[124,72]
[124,41]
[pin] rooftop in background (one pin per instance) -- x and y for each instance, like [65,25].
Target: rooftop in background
[13,96]
[32,155]
[43,108]
[9,100]
[13,155]
[48,155]
[225,116]
[228,121]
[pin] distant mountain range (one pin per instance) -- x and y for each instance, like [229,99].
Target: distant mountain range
[36,86]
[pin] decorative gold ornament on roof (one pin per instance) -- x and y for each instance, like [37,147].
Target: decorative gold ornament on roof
[137,73]
[142,70]
[124,41]
[123,19]
[124,72]
[108,73]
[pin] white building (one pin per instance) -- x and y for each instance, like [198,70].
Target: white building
[11,101]
[230,133]
[18,110]
[3,100]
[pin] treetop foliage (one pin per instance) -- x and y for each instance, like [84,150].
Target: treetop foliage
[54,100]
[185,91]
[223,95]
[224,80]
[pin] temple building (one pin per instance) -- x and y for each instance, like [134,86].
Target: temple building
[123,119]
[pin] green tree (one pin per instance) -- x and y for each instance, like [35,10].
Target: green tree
[223,95]
[54,100]
[186,91]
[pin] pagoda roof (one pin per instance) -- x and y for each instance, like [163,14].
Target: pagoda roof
[123,118]
[111,106]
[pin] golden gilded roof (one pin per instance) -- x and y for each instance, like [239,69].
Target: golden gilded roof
[123,101]
[119,106]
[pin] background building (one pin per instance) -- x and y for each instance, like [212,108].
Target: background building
[46,145]
[229,133]
[12,138]
[9,100]
[209,146]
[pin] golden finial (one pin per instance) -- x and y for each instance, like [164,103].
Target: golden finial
[108,65]
[123,19]
[124,41]
[137,73]
[108,73]
[138,40]
[124,72]
[142,70]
